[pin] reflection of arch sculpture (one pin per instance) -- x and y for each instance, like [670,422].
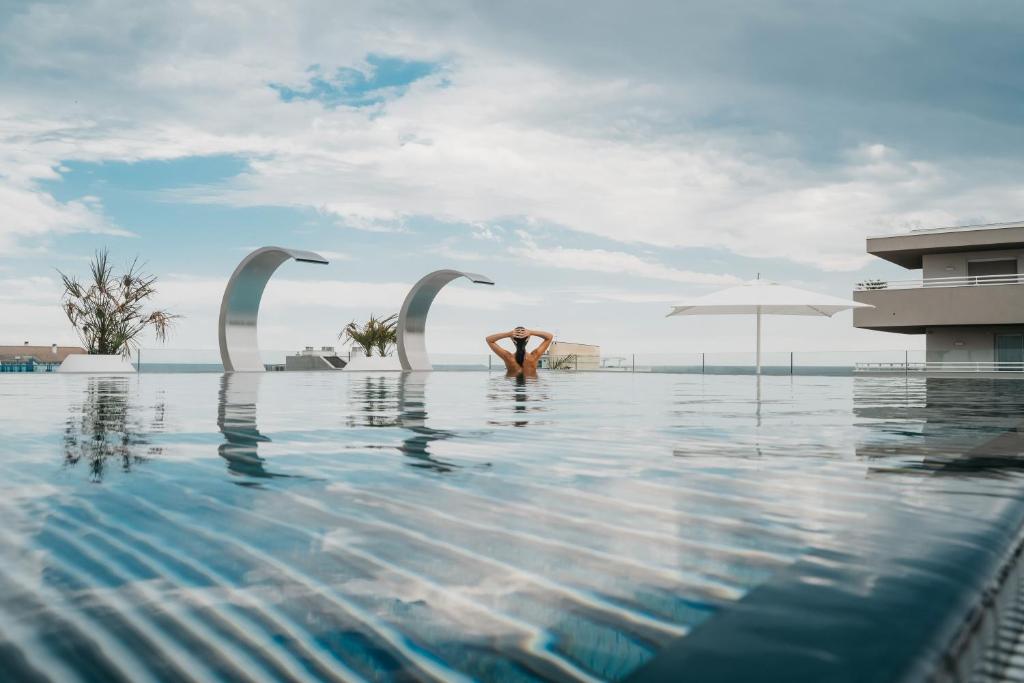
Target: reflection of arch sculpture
[412,347]
[236,418]
[412,415]
[240,307]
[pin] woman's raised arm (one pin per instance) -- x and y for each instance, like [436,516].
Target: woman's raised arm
[492,341]
[546,336]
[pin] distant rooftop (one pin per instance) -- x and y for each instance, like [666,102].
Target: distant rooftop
[45,354]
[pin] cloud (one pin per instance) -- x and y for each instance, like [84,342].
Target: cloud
[676,126]
[617,262]
[27,212]
[181,293]
[597,295]
[30,289]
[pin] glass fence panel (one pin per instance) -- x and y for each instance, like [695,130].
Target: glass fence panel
[158,359]
[463,361]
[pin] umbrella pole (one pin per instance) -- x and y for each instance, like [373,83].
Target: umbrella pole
[759,341]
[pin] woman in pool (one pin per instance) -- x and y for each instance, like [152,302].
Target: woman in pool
[521,362]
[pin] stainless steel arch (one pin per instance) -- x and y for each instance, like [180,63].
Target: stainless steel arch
[412,320]
[240,307]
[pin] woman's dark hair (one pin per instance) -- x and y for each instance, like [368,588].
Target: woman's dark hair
[520,349]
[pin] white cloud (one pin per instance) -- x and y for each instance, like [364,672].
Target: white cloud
[517,132]
[617,262]
[33,288]
[203,294]
[27,212]
[598,295]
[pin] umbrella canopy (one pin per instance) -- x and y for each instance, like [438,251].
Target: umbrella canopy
[758,297]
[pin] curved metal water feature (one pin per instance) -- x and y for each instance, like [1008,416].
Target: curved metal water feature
[412,320]
[240,307]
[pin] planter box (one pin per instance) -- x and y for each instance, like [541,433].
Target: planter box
[373,364]
[96,364]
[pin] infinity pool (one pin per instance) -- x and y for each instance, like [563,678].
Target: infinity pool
[458,526]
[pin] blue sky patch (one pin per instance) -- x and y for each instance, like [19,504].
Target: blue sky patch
[386,77]
[80,178]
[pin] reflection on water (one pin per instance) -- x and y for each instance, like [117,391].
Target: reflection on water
[376,400]
[941,426]
[525,394]
[412,416]
[236,418]
[104,429]
[453,526]
[237,408]
[398,401]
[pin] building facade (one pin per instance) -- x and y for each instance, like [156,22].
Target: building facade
[572,356]
[969,300]
[28,358]
[324,358]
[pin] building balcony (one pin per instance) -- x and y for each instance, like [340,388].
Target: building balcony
[922,283]
[912,305]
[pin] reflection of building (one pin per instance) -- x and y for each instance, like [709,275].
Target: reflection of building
[26,358]
[940,425]
[572,356]
[324,358]
[969,303]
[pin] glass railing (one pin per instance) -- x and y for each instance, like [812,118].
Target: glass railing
[849,362]
[959,367]
[921,283]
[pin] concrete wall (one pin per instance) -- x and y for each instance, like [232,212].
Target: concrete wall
[588,356]
[949,344]
[561,348]
[907,249]
[912,310]
[300,362]
[975,344]
[955,265]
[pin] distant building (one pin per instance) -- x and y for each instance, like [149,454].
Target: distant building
[969,302]
[324,358]
[29,358]
[572,356]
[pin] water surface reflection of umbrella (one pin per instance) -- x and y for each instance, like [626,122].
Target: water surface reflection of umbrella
[758,297]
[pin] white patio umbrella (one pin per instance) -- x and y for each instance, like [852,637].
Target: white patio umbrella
[758,297]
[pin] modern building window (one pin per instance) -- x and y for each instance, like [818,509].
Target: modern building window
[1010,349]
[1001,267]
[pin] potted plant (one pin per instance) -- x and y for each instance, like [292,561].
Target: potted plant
[873,284]
[376,334]
[108,311]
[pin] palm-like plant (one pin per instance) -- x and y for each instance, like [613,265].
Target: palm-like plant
[108,310]
[376,333]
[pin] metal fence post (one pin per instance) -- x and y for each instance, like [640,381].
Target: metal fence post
[488,363]
[906,362]
[791,362]
[138,360]
[702,363]
[634,362]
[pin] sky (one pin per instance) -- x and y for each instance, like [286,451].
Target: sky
[599,160]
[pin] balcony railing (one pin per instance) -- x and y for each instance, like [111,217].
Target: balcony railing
[965,367]
[962,281]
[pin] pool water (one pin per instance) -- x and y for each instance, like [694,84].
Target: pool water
[459,526]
